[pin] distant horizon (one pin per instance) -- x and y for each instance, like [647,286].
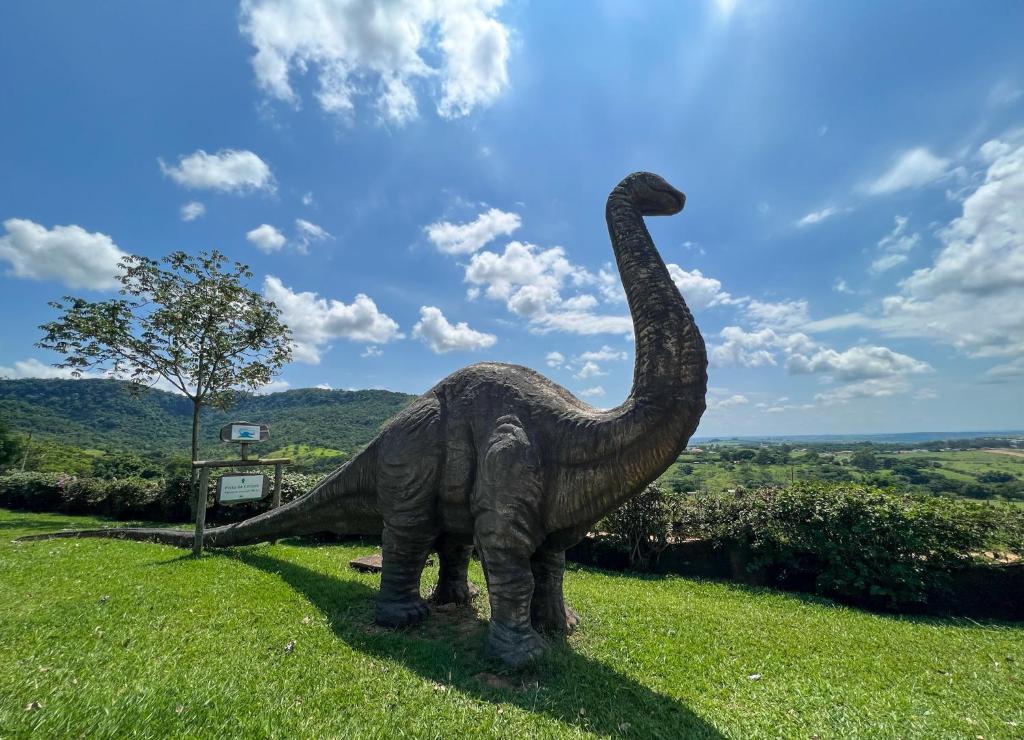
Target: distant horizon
[937,434]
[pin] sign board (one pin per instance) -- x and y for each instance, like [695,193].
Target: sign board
[237,488]
[244,431]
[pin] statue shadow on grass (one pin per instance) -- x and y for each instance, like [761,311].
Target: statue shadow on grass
[449,650]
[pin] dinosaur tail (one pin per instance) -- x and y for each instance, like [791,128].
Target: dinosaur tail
[345,502]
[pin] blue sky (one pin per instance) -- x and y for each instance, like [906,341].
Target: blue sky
[421,185]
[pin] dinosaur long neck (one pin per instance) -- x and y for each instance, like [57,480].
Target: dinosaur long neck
[619,451]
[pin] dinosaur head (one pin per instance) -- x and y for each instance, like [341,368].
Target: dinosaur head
[652,195]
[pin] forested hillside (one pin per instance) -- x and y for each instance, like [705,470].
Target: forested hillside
[106,414]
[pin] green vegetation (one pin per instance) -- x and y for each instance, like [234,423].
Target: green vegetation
[956,468]
[108,638]
[105,415]
[861,544]
[310,459]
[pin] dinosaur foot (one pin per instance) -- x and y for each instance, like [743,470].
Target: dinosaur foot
[396,614]
[556,619]
[516,648]
[454,593]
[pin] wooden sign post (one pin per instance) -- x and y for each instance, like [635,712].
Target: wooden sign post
[237,488]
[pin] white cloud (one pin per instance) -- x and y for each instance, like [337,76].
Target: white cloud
[525,276]
[68,254]
[266,238]
[274,386]
[894,246]
[469,237]
[381,50]
[555,359]
[442,336]
[699,291]
[33,368]
[589,370]
[1008,372]
[815,217]
[315,321]
[372,351]
[756,348]
[324,386]
[594,392]
[856,363]
[730,402]
[307,198]
[970,296]
[840,286]
[192,210]
[781,315]
[604,354]
[911,169]
[873,388]
[229,170]
[307,233]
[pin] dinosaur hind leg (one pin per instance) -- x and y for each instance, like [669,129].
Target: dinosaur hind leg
[507,532]
[453,586]
[404,555]
[548,611]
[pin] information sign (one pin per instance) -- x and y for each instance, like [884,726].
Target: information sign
[238,488]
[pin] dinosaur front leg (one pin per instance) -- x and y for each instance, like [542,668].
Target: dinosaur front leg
[548,611]
[453,586]
[404,555]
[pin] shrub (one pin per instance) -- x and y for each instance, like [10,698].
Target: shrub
[864,544]
[642,527]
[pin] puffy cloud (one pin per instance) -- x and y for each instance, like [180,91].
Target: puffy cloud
[873,388]
[698,290]
[589,370]
[372,351]
[469,237]
[274,386]
[380,49]
[911,169]
[525,276]
[856,363]
[815,217]
[604,354]
[969,296]
[307,198]
[555,359]
[315,321]
[442,336]
[840,286]
[229,170]
[307,233]
[594,392]
[33,368]
[781,316]
[725,403]
[756,348]
[894,246]
[266,238]
[1008,372]
[192,210]
[68,254]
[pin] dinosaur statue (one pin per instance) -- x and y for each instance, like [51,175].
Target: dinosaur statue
[499,457]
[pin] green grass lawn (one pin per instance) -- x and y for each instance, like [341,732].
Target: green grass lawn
[115,639]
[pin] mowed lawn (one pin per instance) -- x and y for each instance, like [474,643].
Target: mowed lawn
[125,639]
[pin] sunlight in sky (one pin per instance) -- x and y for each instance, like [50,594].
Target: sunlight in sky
[422,186]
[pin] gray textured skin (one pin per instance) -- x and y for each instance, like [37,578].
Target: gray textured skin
[501,458]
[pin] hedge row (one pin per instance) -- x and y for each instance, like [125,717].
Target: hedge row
[864,545]
[164,499]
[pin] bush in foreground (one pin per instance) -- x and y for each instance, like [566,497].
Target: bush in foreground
[862,544]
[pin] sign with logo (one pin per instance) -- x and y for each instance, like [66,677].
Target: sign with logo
[244,431]
[237,488]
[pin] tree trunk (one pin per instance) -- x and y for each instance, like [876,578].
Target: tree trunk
[196,405]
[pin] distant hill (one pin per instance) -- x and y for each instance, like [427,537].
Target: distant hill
[105,414]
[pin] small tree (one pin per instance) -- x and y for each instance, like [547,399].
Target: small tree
[11,447]
[186,319]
